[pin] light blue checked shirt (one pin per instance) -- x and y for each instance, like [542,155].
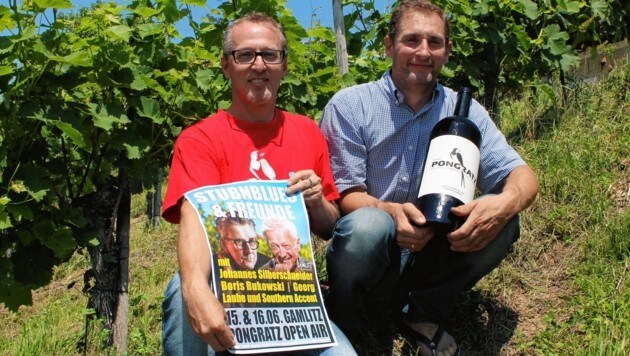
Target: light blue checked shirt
[379,144]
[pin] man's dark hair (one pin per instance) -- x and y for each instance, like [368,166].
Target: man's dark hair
[424,6]
[223,222]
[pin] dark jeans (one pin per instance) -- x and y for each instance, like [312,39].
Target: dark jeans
[367,269]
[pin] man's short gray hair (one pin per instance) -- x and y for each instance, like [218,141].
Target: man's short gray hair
[280,224]
[254,17]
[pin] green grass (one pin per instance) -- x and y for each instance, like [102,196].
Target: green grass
[581,154]
[563,290]
[55,323]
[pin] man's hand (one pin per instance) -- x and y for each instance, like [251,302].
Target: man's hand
[489,215]
[322,213]
[411,232]
[207,318]
[486,217]
[309,184]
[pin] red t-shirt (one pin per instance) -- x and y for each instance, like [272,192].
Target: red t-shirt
[222,149]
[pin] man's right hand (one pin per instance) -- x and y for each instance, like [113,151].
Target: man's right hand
[207,317]
[411,231]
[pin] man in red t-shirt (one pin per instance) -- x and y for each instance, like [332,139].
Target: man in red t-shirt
[252,139]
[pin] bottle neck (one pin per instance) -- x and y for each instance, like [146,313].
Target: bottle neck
[464,98]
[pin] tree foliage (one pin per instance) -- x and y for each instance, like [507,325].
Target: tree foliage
[92,100]
[502,45]
[84,97]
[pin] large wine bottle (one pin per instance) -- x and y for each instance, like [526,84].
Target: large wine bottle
[451,165]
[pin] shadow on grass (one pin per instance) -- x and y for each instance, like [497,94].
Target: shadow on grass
[480,325]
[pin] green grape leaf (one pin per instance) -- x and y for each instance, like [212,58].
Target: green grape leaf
[556,39]
[530,8]
[569,6]
[133,152]
[194,2]
[58,239]
[6,21]
[151,109]
[5,221]
[75,135]
[53,4]
[12,293]
[119,32]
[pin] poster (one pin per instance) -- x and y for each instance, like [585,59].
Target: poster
[263,269]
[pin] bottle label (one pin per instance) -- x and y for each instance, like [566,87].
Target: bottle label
[451,168]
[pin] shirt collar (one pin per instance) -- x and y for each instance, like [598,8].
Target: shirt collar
[398,97]
[260,128]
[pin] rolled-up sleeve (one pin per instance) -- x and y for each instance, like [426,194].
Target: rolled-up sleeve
[347,148]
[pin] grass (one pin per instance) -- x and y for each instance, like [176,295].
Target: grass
[563,290]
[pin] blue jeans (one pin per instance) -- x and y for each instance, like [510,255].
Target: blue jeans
[178,338]
[367,270]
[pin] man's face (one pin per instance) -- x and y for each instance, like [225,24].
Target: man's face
[258,82]
[238,243]
[284,248]
[419,49]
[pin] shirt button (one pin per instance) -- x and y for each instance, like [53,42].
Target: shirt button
[405,179]
[410,148]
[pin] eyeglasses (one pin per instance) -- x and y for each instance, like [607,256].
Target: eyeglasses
[240,243]
[248,56]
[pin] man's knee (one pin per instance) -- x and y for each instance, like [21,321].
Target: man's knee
[367,225]
[363,245]
[512,231]
[491,256]
[172,294]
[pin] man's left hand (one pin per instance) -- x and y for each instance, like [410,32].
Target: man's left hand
[485,219]
[309,184]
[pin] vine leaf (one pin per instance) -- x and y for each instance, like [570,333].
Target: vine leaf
[53,4]
[75,135]
[150,108]
[556,39]
[6,21]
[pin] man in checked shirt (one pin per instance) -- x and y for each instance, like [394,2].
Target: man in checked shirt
[378,134]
